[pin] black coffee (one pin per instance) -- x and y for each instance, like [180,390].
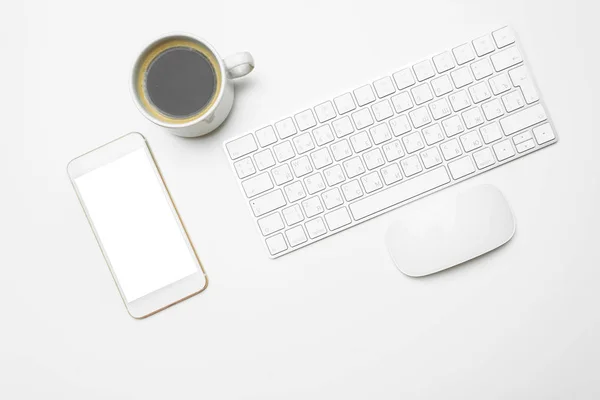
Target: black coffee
[180,82]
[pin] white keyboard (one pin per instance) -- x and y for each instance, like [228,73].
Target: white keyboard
[394,140]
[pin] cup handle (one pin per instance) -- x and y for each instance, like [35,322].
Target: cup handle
[239,64]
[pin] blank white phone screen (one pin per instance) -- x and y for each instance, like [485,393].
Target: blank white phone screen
[136,225]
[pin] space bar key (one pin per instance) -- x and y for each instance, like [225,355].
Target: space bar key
[399,193]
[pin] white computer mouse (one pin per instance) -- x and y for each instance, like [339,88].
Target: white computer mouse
[448,229]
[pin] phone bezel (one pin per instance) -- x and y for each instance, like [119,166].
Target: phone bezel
[165,296]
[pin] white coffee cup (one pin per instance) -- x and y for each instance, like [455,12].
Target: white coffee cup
[171,83]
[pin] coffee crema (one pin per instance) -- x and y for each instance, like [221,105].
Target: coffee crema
[178,80]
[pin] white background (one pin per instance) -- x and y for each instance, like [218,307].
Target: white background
[335,320]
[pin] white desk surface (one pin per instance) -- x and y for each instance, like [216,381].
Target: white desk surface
[335,320]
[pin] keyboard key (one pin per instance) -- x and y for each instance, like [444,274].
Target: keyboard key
[473,117]
[382,110]
[266,136]
[442,85]
[500,84]
[523,119]
[484,45]
[470,141]
[400,125]
[303,143]
[244,168]
[506,58]
[440,109]
[257,185]
[433,134]
[276,244]
[421,93]
[362,118]
[334,175]
[342,126]
[402,102]
[301,166]
[423,70]
[521,137]
[503,150]
[312,206]
[364,95]
[293,214]
[391,174]
[270,224]
[338,218]
[321,158]
[371,182]
[305,120]
[431,157]
[352,190]
[520,78]
[296,236]
[513,101]
[380,133]
[393,150]
[282,174]
[294,191]
[325,111]
[490,133]
[492,109]
[453,126]
[264,159]
[341,150]
[443,62]
[404,79]
[482,69]
[399,193]
[526,145]
[484,158]
[459,100]
[267,203]
[384,86]
[463,53]
[503,37]
[323,135]
[480,92]
[419,117]
[413,142]
[354,167]
[315,228]
[543,133]
[240,147]
[451,149]
[285,128]
[461,77]
[360,141]
[461,168]
[283,151]
[373,158]
[314,183]
[344,103]
[332,198]
[411,166]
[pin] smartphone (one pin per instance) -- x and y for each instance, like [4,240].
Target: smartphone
[137,226]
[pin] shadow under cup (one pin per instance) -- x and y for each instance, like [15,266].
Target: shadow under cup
[177,80]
